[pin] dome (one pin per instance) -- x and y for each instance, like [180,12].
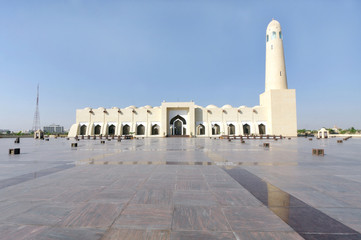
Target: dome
[147,106]
[131,107]
[227,106]
[211,106]
[88,108]
[101,108]
[115,108]
[243,106]
[274,25]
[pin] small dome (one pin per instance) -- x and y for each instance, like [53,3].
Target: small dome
[156,108]
[227,106]
[101,108]
[147,106]
[115,108]
[243,106]
[88,108]
[131,107]
[211,106]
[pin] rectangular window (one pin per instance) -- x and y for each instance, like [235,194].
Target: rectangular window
[267,38]
[280,33]
[280,73]
[272,47]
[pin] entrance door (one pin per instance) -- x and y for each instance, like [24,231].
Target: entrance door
[178,126]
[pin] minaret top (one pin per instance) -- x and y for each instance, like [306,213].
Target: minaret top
[274,25]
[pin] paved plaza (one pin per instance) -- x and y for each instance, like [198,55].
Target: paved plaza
[180,188]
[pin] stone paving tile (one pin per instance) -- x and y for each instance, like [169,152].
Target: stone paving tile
[47,214]
[236,198]
[204,198]
[19,232]
[113,196]
[132,234]
[69,233]
[99,215]
[9,209]
[186,184]
[268,236]
[145,216]
[201,218]
[201,235]
[254,219]
[156,197]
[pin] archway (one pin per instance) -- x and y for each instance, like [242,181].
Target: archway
[83,130]
[262,129]
[246,129]
[177,125]
[155,129]
[111,130]
[140,129]
[126,129]
[215,129]
[200,129]
[97,130]
[231,129]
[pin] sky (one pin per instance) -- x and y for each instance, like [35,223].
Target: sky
[102,53]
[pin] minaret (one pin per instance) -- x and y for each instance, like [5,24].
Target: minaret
[275,61]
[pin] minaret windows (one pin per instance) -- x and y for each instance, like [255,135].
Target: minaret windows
[274,35]
[267,37]
[280,34]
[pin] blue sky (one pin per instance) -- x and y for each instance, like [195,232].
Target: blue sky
[121,53]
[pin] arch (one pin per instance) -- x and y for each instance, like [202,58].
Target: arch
[177,127]
[140,129]
[178,117]
[126,129]
[246,129]
[262,129]
[111,130]
[155,129]
[231,129]
[200,129]
[215,129]
[97,130]
[83,130]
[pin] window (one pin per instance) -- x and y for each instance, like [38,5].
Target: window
[274,35]
[280,34]
[155,130]
[280,73]
[97,130]
[272,47]
[140,129]
[267,38]
[111,130]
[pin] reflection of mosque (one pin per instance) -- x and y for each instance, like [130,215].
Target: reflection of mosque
[276,113]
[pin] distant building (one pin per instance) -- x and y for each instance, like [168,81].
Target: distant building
[53,129]
[4,131]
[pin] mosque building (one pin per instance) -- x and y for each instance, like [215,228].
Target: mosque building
[276,114]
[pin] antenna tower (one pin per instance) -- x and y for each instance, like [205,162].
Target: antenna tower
[36,121]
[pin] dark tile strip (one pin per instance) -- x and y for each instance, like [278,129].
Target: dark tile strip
[29,176]
[306,220]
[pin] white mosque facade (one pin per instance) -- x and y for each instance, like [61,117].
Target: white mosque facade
[275,115]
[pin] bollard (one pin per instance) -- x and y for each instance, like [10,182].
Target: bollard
[82,137]
[88,136]
[229,140]
[318,152]
[119,139]
[266,145]
[112,136]
[14,151]
[242,141]
[46,139]
[17,140]
[310,139]
[100,136]
[67,138]
[289,138]
[94,137]
[267,136]
[102,142]
[339,141]
[74,145]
